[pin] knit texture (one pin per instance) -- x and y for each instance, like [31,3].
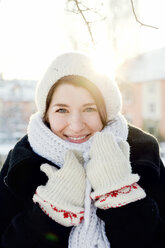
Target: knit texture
[116,170]
[53,148]
[62,198]
[115,185]
[92,236]
[50,146]
[120,197]
[79,64]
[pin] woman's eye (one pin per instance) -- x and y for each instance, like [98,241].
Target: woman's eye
[61,110]
[90,110]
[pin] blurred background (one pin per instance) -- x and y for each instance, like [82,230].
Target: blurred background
[125,37]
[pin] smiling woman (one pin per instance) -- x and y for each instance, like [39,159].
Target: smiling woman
[72,113]
[82,173]
[82,82]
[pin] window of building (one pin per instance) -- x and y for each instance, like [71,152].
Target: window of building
[152,108]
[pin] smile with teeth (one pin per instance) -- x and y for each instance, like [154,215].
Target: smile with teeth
[79,138]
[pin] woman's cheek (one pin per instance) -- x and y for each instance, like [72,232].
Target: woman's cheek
[57,124]
[94,122]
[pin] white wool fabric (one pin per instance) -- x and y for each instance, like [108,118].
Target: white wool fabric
[64,191]
[74,63]
[91,231]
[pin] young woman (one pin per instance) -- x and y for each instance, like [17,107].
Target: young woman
[82,177]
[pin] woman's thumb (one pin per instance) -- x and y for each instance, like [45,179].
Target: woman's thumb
[47,169]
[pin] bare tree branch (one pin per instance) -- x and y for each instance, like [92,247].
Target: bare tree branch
[86,22]
[72,11]
[80,8]
[133,9]
[89,9]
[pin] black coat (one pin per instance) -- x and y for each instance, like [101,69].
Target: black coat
[140,224]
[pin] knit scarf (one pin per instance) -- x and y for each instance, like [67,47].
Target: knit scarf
[91,231]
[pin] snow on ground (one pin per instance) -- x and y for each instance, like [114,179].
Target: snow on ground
[162,151]
[163,160]
[5,148]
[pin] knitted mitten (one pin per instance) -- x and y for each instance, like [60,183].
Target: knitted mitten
[109,172]
[62,197]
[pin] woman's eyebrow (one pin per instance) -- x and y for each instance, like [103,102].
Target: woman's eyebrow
[89,104]
[65,105]
[60,105]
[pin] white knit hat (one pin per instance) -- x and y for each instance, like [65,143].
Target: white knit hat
[74,63]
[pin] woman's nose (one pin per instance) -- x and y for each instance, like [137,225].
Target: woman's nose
[76,123]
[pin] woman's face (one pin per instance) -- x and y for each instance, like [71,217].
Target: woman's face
[73,114]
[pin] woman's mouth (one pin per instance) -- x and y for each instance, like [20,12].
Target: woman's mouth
[78,140]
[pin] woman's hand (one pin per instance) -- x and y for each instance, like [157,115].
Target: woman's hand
[62,198]
[109,171]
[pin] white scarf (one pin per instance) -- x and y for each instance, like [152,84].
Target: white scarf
[91,231]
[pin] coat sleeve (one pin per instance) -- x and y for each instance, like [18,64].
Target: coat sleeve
[24,224]
[141,223]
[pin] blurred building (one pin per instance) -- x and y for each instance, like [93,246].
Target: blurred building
[16,106]
[142,83]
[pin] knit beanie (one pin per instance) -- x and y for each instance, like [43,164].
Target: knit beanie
[79,64]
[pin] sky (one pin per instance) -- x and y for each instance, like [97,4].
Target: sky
[152,13]
[33,32]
